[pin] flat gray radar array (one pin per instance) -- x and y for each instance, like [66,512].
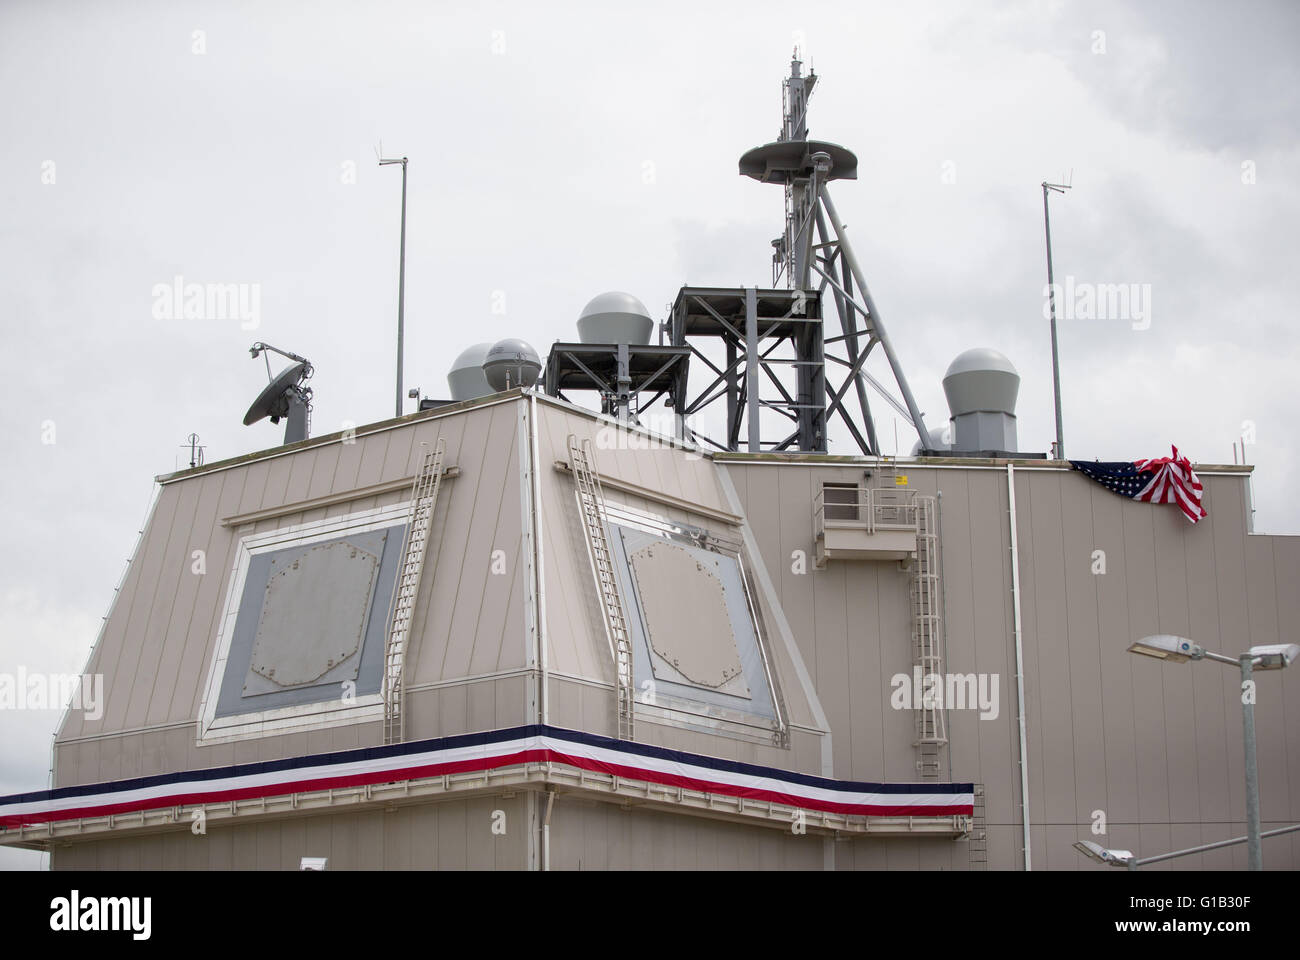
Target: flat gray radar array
[812,255]
[285,396]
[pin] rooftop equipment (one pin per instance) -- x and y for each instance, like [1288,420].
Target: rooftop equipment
[511,363]
[813,254]
[940,442]
[616,359]
[615,317]
[981,386]
[401,277]
[466,378]
[1058,448]
[753,325]
[285,396]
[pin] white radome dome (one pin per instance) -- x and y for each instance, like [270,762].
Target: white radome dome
[615,317]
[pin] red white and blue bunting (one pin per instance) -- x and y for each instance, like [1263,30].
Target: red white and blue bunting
[493,750]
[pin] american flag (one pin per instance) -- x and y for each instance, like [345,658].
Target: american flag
[1163,480]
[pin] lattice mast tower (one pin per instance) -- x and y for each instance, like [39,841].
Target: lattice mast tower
[814,253]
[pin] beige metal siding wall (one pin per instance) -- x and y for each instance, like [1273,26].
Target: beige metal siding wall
[1157,747]
[852,623]
[583,706]
[587,835]
[1273,606]
[158,645]
[831,613]
[448,835]
[582,676]
[471,620]
[577,644]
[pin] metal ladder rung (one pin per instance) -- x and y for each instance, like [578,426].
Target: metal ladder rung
[424,498]
[591,503]
[925,592]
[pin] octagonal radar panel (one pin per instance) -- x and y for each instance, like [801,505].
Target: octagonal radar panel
[684,608]
[698,650]
[314,615]
[307,619]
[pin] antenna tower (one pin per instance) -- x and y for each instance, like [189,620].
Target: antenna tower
[815,258]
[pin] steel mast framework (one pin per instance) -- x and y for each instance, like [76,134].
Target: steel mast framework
[815,257]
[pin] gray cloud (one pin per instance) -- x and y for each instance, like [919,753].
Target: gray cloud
[1206,75]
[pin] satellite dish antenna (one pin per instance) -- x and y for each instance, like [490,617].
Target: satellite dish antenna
[285,396]
[273,401]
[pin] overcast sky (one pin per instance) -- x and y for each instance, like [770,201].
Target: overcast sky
[560,150]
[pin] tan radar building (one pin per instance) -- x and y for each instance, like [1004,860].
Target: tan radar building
[515,631]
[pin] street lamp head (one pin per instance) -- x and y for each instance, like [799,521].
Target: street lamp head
[1095,851]
[1165,646]
[1274,656]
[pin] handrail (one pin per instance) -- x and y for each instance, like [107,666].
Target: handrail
[871,507]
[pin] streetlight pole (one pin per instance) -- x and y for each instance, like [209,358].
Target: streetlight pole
[401,282]
[1051,304]
[1254,853]
[1276,656]
[1127,859]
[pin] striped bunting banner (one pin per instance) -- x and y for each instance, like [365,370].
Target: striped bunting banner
[492,750]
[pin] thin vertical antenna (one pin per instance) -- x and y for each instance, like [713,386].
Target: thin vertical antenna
[196,451]
[401,281]
[1051,302]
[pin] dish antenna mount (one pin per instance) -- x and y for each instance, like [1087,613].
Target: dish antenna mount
[285,395]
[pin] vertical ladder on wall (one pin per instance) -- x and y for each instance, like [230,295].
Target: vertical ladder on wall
[424,497]
[978,840]
[927,652]
[591,501]
[890,500]
[886,474]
